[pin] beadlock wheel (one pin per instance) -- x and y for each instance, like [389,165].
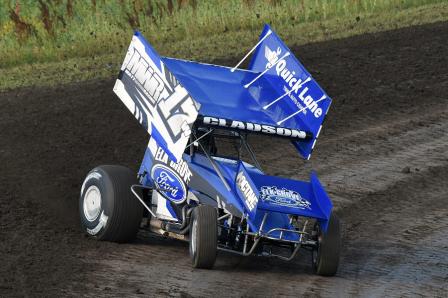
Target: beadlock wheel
[92,203]
[203,237]
[325,257]
[108,210]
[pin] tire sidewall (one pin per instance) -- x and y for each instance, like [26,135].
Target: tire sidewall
[328,248]
[193,252]
[203,255]
[97,227]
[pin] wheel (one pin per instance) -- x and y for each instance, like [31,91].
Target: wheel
[203,236]
[108,209]
[326,255]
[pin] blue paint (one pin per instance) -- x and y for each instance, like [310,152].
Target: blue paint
[246,190]
[222,94]
[149,50]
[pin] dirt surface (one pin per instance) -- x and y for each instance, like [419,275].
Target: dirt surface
[383,157]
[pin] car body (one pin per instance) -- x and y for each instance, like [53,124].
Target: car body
[192,191]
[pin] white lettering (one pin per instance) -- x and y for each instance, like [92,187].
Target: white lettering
[280,66]
[268,129]
[296,84]
[161,155]
[249,195]
[211,120]
[238,124]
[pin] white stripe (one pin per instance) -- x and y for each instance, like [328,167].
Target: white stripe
[247,55]
[318,132]
[312,147]
[302,109]
[202,63]
[277,99]
[259,76]
[287,93]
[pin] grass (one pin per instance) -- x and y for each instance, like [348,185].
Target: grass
[59,41]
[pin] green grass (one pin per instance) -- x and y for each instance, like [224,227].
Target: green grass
[54,43]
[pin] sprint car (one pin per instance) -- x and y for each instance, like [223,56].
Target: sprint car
[188,187]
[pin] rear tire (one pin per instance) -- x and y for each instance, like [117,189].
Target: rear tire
[107,207]
[203,237]
[325,257]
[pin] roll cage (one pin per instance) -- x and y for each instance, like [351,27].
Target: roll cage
[203,139]
[236,236]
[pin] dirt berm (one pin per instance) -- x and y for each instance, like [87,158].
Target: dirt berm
[382,155]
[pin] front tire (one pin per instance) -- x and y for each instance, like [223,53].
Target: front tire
[204,237]
[325,257]
[107,207]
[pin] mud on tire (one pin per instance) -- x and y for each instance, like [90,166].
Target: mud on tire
[203,237]
[325,257]
[107,207]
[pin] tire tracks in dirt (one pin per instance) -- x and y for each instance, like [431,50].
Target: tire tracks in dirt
[390,111]
[362,165]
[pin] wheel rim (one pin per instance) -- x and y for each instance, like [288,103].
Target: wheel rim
[92,203]
[193,237]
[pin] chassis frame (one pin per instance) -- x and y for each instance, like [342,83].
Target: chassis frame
[251,241]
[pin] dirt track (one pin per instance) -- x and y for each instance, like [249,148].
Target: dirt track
[383,157]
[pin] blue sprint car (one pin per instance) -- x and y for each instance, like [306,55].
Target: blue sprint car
[189,186]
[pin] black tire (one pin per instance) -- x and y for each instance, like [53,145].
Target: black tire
[108,209]
[204,236]
[326,256]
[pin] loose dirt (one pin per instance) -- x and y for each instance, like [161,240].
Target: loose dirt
[382,156]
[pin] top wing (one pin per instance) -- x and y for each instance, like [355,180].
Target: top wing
[224,101]
[156,98]
[276,96]
[301,102]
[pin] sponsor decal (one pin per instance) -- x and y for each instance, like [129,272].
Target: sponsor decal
[92,175]
[169,183]
[181,168]
[101,223]
[249,195]
[271,56]
[283,197]
[155,97]
[295,84]
[257,128]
